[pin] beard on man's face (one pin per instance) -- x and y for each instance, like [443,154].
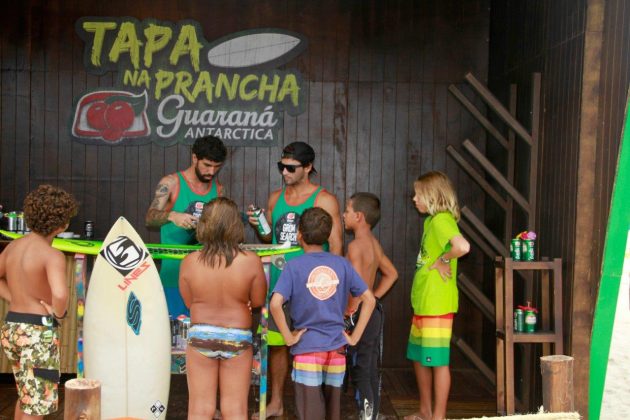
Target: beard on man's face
[201,177]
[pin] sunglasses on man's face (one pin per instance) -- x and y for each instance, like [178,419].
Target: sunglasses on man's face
[290,168]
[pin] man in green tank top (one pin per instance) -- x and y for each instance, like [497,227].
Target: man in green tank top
[283,214]
[178,202]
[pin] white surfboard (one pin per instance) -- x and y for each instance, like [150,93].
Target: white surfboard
[126,329]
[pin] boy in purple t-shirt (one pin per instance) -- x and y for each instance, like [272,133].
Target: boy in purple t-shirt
[318,284]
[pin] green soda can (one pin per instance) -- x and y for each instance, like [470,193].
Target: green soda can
[519,320]
[515,249]
[528,250]
[263,226]
[530,320]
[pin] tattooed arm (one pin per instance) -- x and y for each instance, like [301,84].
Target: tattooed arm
[159,212]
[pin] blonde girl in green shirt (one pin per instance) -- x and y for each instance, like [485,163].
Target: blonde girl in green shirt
[434,292]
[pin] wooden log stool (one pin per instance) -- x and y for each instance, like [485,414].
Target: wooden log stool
[82,399]
[557,383]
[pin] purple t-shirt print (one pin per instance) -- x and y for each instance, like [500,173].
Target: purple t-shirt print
[317,286]
[322,282]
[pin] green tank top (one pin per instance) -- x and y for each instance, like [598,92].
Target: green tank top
[187,202]
[284,226]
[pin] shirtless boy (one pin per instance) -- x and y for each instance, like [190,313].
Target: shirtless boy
[33,280]
[365,253]
[219,284]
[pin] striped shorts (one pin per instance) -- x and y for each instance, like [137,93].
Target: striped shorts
[430,340]
[323,367]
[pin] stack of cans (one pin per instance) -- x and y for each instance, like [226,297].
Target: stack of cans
[525,318]
[522,248]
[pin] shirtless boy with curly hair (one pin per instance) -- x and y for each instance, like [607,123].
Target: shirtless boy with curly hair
[33,281]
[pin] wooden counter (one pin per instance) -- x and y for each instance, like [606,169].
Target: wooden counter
[68,326]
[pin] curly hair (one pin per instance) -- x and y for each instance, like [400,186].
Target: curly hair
[211,148]
[48,208]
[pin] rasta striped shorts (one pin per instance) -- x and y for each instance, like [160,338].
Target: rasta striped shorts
[430,340]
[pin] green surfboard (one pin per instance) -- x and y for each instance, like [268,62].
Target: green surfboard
[612,267]
[158,251]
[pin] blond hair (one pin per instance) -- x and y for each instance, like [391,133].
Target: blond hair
[220,230]
[438,193]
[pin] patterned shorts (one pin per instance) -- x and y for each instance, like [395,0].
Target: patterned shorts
[430,340]
[33,351]
[219,342]
[320,368]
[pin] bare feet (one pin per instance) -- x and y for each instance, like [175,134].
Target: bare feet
[271,412]
[413,416]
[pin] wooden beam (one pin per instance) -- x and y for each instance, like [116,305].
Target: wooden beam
[494,172]
[534,154]
[511,163]
[476,360]
[497,107]
[473,236]
[533,288]
[481,228]
[583,255]
[476,296]
[475,175]
[478,116]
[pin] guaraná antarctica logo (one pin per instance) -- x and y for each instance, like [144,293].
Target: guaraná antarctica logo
[173,86]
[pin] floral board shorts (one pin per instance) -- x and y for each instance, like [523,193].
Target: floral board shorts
[31,343]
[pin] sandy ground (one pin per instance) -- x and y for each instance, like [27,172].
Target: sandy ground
[616,401]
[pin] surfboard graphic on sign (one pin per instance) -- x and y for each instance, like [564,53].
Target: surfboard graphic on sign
[127,342]
[265,47]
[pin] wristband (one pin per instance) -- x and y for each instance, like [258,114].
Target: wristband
[445,260]
[65,314]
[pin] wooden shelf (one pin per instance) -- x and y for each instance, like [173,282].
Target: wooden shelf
[533,337]
[550,305]
[527,265]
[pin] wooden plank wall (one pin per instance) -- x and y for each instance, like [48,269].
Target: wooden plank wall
[582,49]
[524,41]
[614,84]
[378,113]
